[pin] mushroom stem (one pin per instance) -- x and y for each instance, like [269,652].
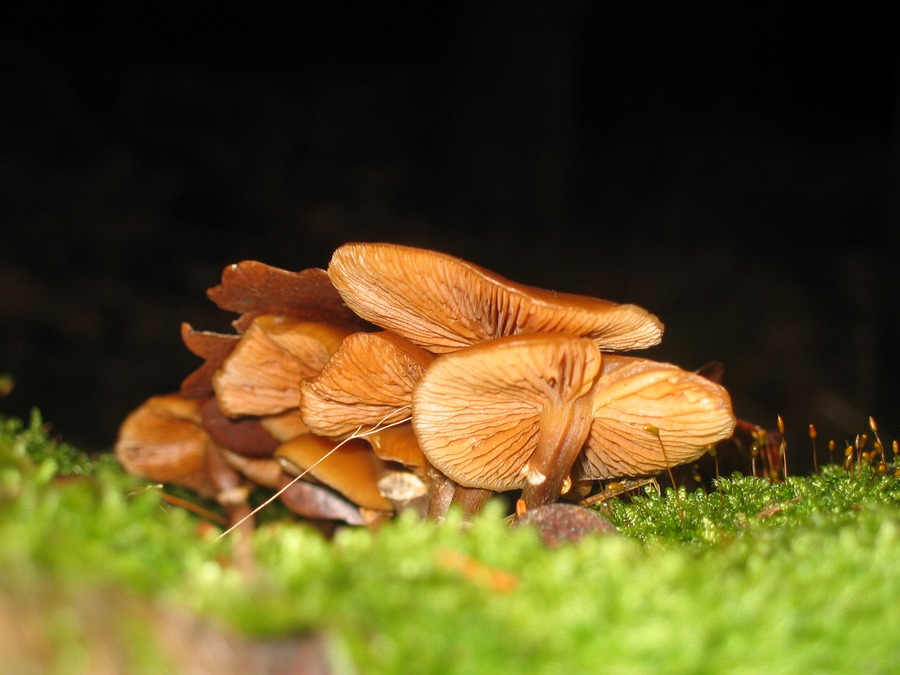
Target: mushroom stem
[563,433]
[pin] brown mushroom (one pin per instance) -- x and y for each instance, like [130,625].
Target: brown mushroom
[213,348]
[443,303]
[262,374]
[244,435]
[650,416]
[510,413]
[264,471]
[366,386]
[164,440]
[252,289]
[352,469]
[399,444]
[284,426]
[368,382]
[317,502]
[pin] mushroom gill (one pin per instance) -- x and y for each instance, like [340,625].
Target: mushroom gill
[368,382]
[509,413]
[262,375]
[650,416]
[443,303]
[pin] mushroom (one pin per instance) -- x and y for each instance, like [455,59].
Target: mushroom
[649,416]
[163,440]
[443,303]
[213,348]
[252,288]
[317,502]
[398,444]
[264,471]
[528,411]
[262,374]
[351,469]
[507,414]
[245,435]
[284,426]
[366,383]
[370,381]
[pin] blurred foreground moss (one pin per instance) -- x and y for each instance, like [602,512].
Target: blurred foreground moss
[99,574]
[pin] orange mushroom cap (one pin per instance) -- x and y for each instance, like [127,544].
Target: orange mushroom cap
[443,303]
[399,444]
[164,440]
[650,416]
[253,288]
[213,348]
[510,413]
[262,374]
[284,426]
[351,469]
[367,382]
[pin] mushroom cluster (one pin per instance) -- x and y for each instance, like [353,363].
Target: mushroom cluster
[402,378]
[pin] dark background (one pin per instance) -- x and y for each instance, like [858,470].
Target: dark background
[733,167]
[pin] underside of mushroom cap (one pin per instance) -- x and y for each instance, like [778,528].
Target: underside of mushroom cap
[262,374]
[478,413]
[351,469]
[443,303]
[368,382]
[252,289]
[650,416]
[164,440]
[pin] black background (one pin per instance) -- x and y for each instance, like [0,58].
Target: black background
[731,166]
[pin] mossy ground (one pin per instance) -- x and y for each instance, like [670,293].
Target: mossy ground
[100,574]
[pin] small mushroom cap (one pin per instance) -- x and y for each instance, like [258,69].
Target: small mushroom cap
[213,348]
[265,471]
[649,415]
[368,382]
[163,440]
[284,426]
[443,303]
[244,435]
[252,288]
[262,375]
[317,502]
[478,413]
[398,443]
[351,469]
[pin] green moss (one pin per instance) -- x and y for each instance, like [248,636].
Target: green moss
[799,576]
